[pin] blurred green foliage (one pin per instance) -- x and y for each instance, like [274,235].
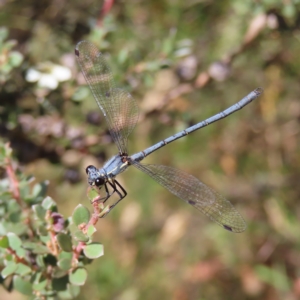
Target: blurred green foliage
[9,59]
[183,61]
[39,254]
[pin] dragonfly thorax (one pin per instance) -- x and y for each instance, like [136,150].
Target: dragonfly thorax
[116,165]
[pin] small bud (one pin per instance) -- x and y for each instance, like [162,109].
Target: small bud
[57,221]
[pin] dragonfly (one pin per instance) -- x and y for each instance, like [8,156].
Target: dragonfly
[121,114]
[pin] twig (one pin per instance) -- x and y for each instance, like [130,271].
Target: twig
[20,259]
[13,179]
[97,209]
[107,5]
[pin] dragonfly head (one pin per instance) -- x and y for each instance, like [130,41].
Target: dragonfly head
[95,176]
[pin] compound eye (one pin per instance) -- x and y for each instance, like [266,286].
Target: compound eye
[87,169]
[99,182]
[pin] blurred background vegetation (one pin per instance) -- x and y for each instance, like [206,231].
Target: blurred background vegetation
[183,61]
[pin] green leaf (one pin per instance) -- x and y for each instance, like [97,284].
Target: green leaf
[48,203]
[65,242]
[4,242]
[5,195]
[45,238]
[92,194]
[3,33]
[40,189]
[3,229]
[78,276]
[39,282]
[21,252]
[15,58]
[10,269]
[13,227]
[22,269]
[42,230]
[60,284]
[22,286]
[10,44]
[14,217]
[80,236]
[71,292]
[14,241]
[6,68]
[65,255]
[93,250]
[59,273]
[91,230]
[2,211]
[2,147]
[40,261]
[40,211]
[24,188]
[65,264]
[13,206]
[36,248]
[40,286]
[80,94]
[275,276]
[123,56]
[81,215]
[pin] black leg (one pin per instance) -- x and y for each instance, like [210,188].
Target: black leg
[107,193]
[114,185]
[123,190]
[103,199]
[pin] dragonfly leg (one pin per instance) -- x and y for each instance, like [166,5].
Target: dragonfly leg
[108,194]
[123,190]
[115,184]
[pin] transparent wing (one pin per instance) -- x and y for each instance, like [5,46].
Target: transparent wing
[118,107]
[196,193]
